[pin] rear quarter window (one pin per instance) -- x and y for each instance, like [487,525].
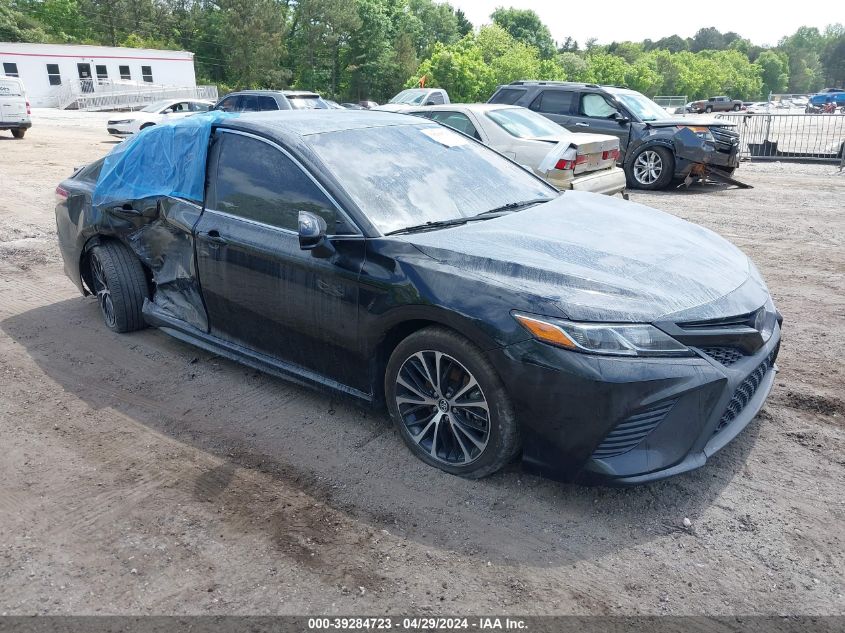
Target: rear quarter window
[507,96]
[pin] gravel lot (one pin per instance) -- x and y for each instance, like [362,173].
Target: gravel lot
[141,475]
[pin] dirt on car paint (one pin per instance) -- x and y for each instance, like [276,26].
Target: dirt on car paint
[142,475]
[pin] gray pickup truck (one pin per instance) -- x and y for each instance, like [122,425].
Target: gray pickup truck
[715,104]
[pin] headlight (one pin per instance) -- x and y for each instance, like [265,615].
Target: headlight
[121,122]
[613,339]
[701,132]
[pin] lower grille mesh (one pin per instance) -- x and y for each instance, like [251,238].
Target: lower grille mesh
[746,390]
[725,355]
[632,430]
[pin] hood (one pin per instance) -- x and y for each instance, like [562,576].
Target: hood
[599,258]
[691,120]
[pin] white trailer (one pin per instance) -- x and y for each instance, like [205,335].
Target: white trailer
[98,77]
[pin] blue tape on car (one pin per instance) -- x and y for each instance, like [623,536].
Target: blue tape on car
[163,160]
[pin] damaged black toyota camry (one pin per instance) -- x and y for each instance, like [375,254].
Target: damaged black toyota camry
[403,264]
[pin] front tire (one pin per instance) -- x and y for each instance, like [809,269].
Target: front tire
[449,404]
[708,109]
[651,168]
[18,133]
[119,281]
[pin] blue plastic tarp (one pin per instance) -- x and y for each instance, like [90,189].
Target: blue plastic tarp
[167,159]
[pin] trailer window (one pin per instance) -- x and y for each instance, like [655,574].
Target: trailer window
[124,72]
[102,72]
[10,69]
[53,75]
[147,74]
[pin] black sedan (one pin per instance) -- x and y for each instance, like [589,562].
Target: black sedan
[403,264]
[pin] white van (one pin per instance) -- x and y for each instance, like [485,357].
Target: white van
[14,108]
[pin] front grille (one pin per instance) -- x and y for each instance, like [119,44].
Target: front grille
[746,390]
[726,139]
[632,431]
[725,355]
[727,323]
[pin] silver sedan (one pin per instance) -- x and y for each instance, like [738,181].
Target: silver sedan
[565,159]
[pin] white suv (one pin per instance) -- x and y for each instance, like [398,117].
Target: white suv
[14,108]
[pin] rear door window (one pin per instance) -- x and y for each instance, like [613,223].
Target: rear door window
[553,102]
[507,96]
[266,103]
[258,182]
[457,121]
[9,88]
[248,103]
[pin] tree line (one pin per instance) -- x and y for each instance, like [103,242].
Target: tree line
[370,49]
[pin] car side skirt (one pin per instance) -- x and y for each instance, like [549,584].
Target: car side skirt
[178,329]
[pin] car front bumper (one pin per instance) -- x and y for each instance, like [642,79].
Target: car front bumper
[629,420]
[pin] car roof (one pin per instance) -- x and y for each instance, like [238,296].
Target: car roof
[286,93]
[307,122]
[569,84]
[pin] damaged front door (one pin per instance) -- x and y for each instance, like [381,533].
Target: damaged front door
[165,243]
[261,289]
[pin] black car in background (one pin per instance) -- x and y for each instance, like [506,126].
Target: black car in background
[271,100]
[391,259]
[656,148]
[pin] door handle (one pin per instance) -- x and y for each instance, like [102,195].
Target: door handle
[580,124]
[214,237]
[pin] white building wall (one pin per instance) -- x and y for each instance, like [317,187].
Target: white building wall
[169,68]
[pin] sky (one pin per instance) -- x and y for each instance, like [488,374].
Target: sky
[764,22]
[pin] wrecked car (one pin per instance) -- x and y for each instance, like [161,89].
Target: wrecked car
[393,260]
[567,160]
[656,148]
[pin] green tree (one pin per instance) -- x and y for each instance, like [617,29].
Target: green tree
[574,67]
[464,25]
[525,26]
[774,69]
[707,39]
[16,26]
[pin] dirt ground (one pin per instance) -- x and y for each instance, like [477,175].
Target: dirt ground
[141,475]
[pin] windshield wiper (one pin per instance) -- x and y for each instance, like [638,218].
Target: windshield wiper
[484,215]
[513,206]
[439,224]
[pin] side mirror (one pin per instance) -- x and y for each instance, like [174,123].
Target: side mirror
[312,235]
[621,119]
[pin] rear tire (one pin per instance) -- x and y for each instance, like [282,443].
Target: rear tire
[120,283]
[651,168]
[19,133]
[449,404]
[736,107]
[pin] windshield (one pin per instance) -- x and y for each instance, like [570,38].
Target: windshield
[155,107]
[411,97]
[523,123]
[642,107]
[406,175]
[307,102]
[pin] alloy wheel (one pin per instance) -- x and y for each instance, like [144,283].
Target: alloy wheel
[443,407]
[647,167]
[101,287]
